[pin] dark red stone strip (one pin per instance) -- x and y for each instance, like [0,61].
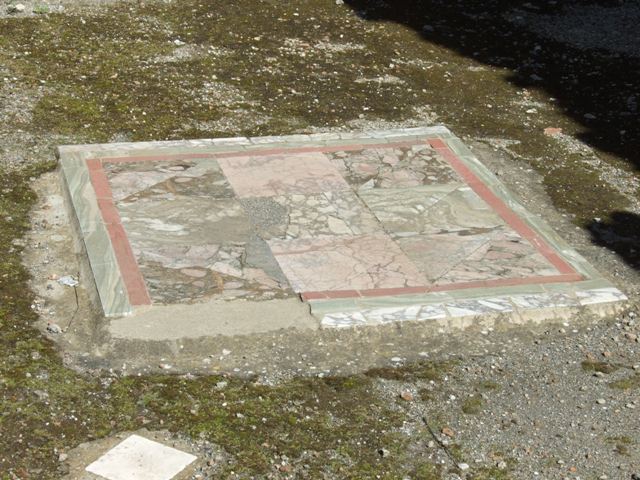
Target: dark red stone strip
[129,270]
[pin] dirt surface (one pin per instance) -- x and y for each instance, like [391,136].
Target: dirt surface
[546,401]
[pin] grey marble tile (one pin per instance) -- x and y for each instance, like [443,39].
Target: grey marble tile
[343,320]
[544,300]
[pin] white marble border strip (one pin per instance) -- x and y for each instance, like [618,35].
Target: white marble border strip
[519,307]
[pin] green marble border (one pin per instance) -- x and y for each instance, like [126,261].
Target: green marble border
[94,236]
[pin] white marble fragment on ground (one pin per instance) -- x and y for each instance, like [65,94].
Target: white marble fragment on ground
[142,459]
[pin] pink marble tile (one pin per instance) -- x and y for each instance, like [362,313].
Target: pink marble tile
[345,263]
[282,174]
[437,254]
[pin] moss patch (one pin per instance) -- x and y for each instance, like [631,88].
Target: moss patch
[488,386]
[472,405]
[419,371]
[629,383]
[47,408]
[622,444]
[602,367]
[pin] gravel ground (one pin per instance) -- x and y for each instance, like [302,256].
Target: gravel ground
[547,401]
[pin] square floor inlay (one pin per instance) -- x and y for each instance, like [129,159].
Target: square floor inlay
[350,223]
[139,458]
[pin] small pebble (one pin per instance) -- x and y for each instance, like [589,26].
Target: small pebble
[407,396]
[53,328]
[601,401]
[17,8]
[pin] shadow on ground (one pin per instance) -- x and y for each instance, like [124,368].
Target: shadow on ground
[620,234]
[565,48]
[585,54]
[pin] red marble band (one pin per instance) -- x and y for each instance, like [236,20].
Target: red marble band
[129,270]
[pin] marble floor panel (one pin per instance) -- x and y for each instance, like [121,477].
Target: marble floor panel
[368,227]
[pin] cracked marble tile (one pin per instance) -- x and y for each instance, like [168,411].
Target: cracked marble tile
[456,257]
[301,216]
[345,263]
[184,220]
[184,274]
[283,174]
[131,181]
[505,255]
[397,167]
[431,209]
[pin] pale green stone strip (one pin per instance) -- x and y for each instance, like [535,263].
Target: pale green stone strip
[111,289]
[459,148]
[94,237]
[589,284]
